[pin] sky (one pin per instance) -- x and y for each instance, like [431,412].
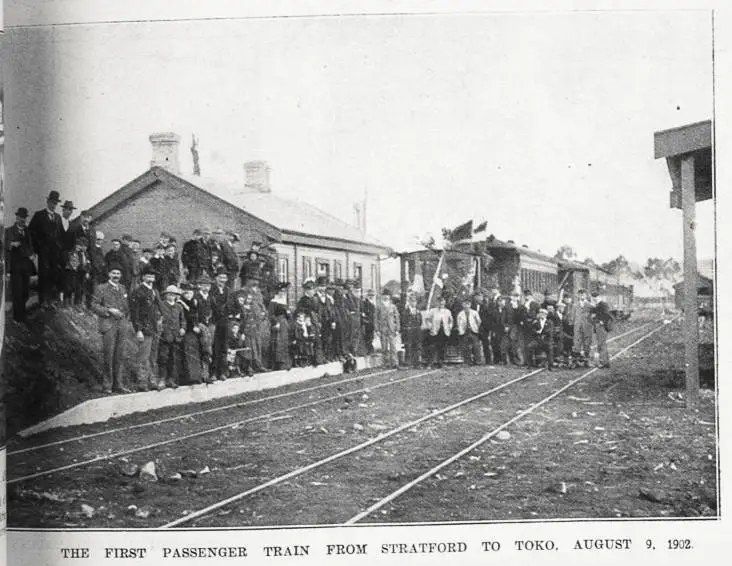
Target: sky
[541,124]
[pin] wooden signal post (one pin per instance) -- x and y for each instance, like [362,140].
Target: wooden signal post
[688,154]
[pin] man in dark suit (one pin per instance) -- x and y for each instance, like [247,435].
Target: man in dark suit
[229,256]
[145,316]
[97,266]
[46,234]
[19,262]
[480,305]
[220,307]
[195,256]
[517,322]
[67,227]
[368,319]
[111,305]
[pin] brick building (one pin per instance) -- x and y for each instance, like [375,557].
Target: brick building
[307,241]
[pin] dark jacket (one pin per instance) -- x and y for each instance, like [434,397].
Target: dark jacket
[229,259]
[173,321]
[120,258]
[106,296]
[46,234]
[145,310]
[97,264]
[219,305]
[18,258]
[196,255]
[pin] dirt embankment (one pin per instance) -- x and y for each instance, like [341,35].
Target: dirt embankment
[52,363]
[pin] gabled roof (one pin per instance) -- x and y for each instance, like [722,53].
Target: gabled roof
[290,216]
[282,215]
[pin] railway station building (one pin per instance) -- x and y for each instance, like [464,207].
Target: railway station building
[307,242]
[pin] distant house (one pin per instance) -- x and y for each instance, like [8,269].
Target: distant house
[704,288]
[308,242]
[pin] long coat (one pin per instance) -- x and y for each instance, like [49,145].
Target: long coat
[46,234]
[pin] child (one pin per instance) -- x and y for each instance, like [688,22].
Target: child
[174,328]
[238,353]
[541,335]
[303,340]
[280,338]
[73,286]
[468,324]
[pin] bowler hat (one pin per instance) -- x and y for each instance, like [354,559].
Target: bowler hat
[221,270]
[148,270]
[54,196]
[185,286]
[204,279]
[113,266]
[68,205]
[22,212]
[321,281]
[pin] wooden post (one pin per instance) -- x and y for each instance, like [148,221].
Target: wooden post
[691,328]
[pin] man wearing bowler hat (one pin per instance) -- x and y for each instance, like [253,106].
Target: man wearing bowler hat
[46,232]
[19,263]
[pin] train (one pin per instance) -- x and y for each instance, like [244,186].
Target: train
[508,266]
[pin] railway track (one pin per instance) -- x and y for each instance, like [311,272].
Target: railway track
[111,454]
[192,414]
[486,437]
[191,517]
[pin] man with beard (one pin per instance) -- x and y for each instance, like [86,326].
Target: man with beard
[111,305]
[19,263]
[46,234]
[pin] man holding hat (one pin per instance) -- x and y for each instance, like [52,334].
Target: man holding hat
[110,304]
[46,234]
[145,315]
[19,263]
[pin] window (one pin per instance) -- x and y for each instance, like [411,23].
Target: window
[323,267]
[283,271]
[307,268]
[358,274]
[337,270]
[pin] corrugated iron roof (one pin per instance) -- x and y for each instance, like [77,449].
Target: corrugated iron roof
[286,214]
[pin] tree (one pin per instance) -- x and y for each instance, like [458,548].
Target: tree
[657,268]
[565,252]
[589,261]
[616,266]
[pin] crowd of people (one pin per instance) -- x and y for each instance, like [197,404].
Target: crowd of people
[203,315]
[198,315]
[491,328]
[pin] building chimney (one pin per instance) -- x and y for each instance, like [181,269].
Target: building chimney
[165,151]
[257,177]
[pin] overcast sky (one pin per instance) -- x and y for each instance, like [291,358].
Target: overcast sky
[541,124]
